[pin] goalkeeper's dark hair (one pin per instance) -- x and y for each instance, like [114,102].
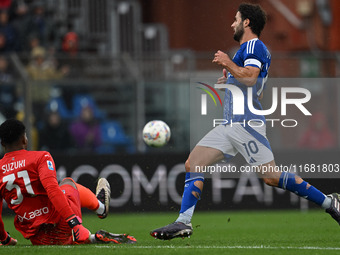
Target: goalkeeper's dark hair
[11,131]
[256,15]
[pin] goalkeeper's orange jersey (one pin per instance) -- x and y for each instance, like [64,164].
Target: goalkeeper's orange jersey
[28,183]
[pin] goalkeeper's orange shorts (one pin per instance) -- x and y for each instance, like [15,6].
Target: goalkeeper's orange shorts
[59,233]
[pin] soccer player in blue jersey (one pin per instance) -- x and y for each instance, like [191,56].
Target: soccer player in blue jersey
[248,69]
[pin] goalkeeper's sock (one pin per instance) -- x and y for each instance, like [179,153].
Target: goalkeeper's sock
[189,201]
[101,208]
[93,239]
[88,199]
[287,181]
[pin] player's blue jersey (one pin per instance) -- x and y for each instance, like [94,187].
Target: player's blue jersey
[251,53]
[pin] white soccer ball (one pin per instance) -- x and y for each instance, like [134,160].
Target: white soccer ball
[156,133]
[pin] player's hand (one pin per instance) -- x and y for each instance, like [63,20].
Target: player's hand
[223,79]
[80,234]
[221,58]
[9,240]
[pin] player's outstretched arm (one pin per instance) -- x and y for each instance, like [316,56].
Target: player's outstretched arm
[5,238]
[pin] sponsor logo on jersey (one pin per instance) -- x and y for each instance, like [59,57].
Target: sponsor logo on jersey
[33,214]
[50,165]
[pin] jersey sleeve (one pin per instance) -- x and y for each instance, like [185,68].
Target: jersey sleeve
[254,54]
[48,178]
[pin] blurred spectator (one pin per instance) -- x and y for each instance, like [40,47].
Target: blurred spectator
[8,31]
[20,21]
[54,135]
[5,75]
[86,131]
[41,68]
[318,136]
[50,57]
[5,4]
[70,43]
[2,119]
[8,90]
[33,42]
[3,43]
[41,71]
[41,26]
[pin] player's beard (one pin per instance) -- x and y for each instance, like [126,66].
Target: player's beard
[239,33]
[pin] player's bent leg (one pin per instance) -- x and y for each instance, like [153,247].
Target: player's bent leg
[68,181]
[87,198]
[291,182]
[296,184]
[200,156]
[98,202]
[60,233]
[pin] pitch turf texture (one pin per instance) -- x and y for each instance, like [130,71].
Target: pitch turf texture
[253,232]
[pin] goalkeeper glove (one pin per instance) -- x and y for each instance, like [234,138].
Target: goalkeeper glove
[9,240]
[80,234]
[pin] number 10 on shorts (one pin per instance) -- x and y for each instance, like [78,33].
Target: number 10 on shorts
[251,147]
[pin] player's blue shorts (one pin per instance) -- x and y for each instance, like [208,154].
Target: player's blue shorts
[250,141]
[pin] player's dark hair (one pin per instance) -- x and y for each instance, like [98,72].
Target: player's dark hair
[11,131]
[256,15]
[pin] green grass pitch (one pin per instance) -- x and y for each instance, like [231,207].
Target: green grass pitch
[228,232]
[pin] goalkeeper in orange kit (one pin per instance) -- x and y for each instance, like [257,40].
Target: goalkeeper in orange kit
[47,213]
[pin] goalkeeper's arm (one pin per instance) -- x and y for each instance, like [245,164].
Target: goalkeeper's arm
[9,240]
[5,238]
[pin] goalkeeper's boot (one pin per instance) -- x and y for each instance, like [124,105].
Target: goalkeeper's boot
[173,230]
[103,194]
[334,209]
[103,236]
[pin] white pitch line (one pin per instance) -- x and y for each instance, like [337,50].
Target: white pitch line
[198,247]
[224,247]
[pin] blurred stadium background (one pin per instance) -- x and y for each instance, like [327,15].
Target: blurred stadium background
[122,63]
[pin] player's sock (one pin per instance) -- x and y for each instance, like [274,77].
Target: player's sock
[189,201]
[88,199]
[287,181]
[92,238]
[101,208]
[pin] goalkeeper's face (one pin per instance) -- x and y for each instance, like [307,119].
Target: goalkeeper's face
[238,27]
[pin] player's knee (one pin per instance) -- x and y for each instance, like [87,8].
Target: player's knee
[271,181]
[68,181]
